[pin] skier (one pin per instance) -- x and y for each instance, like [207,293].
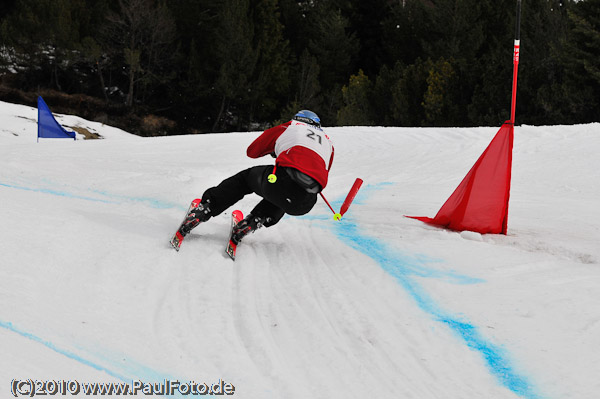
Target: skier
[304,154]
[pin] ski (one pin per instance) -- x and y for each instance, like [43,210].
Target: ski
[178,237]
[236,217]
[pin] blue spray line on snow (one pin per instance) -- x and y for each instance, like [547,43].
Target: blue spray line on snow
[10,327]
[152,202]
[112,198]
[55,192]
[404,269]
[130,371]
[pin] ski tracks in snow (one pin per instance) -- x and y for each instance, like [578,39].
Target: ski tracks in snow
[311,323]
[296,314]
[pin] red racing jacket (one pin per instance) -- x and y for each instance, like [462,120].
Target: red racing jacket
[297,145]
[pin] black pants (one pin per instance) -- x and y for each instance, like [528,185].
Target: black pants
[283,196]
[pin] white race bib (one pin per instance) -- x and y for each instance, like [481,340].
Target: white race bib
[301,134]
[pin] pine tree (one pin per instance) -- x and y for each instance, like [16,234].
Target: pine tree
[234,53]
[270,80]
[43,34]
[438,100]
[357,97]
[582,59]
[408,93]
[405,30]
[334,48]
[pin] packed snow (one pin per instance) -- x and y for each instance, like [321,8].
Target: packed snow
[373,306]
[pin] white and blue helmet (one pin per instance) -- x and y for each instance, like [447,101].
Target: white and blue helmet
[308,117]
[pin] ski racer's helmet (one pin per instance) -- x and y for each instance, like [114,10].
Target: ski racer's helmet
[309,117]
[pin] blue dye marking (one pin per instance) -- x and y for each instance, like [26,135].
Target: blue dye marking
[404,269]
[113,198]
[130,370]
[395,263]
[56,192]
[152,202]
[9,326]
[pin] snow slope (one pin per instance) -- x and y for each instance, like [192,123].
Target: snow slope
[374,306]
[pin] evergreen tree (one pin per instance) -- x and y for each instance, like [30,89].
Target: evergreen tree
[357,101]
[270,81]
[234,64]
[254,75]
[459,27]
[335,50]
[366,23]
[581,57]
[234,53]
[408,93]
[406,28]
[383,97]
[42,35]
[304,69]
[192,90]
[439,99]
[304,86]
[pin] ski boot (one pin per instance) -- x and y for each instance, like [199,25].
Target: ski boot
[195,216]
[250,224]
[197,213]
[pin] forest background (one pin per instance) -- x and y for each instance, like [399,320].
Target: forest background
[157,67]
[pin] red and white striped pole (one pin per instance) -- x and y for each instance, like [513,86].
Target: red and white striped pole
[516,62]
[513,106]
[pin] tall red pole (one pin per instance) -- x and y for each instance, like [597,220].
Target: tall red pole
[516,62]
[480,202]
[513,106]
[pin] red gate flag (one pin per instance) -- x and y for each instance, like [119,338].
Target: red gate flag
[480,202]
[48,127]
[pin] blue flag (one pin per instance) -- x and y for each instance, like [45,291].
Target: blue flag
[48,127]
